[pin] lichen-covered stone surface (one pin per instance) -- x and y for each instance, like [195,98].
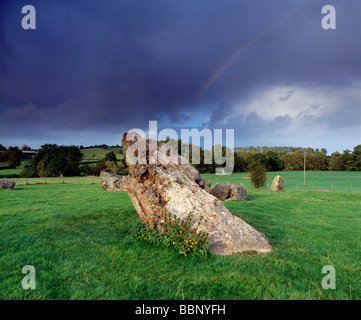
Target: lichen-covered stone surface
[167,184]
[112,182]
[277,184]
[229,192]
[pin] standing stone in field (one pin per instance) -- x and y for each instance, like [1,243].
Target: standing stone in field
[229,192]
[112,182]
[277,184]
[6,184]
[159,180]
[204,184]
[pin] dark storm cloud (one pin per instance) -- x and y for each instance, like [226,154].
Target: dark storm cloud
[114,65]
[252,125]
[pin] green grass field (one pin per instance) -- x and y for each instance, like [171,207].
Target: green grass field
[92,155]
[315,180]
[5,172]
[78,238]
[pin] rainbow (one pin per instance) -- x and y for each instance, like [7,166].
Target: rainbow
[241,50]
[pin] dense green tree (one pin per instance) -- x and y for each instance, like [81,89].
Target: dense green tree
[110,156]
[258,157]
[13,155]
[337,162]
[123,168]
[28,172]
[257,172]
[100,166]
[270,160]
[52,160]
[294,161]
[120,169]
[274,162]
[240,162]
[349,160]
[357,157]
[317,161]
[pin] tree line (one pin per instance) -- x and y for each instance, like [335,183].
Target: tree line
[278,150]
[279,158]
[295,160]
[52,160]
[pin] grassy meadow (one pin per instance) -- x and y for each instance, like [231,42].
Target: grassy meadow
[5,172]
[78,238]
[93,155]
[294,180]
[315,180]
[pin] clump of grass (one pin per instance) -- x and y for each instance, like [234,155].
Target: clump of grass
[175,233]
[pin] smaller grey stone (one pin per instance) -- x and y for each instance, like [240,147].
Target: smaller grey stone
[277,184]
[229,192]
[113,182]
[5,184]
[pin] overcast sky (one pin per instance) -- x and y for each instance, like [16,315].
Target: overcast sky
[266,68]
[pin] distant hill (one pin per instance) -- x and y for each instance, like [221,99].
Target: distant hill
[93,155]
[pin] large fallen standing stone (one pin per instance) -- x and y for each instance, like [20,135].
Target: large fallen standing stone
[6,184]
[229,192]
[161,182]
[277,184]
[112,182]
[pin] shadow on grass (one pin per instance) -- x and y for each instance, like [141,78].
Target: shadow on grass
[255,196]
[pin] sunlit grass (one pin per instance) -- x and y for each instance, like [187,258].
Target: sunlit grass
[78,238]
[97,154]
[293,180]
